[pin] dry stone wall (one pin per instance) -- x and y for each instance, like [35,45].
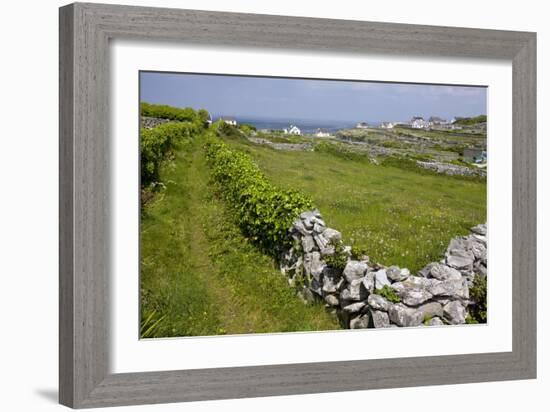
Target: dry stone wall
[365,294]
[451,169]
[152,122]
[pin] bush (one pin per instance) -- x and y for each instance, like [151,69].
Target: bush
[263,212]
[388,293]
[229,131]
[478,295]
[173,113]
[157,144]
[466,121]
[247,128]
[339,259]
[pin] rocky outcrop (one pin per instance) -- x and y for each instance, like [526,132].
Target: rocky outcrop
[366,295]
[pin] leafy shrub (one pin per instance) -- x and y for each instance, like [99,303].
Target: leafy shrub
[172,113]
[247,128]
[158,143]
[358,253]
[339,259]
[471,120]
[478,294]
[263,212]
[388,293]
[229,131]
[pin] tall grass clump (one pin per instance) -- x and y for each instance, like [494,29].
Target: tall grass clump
[263,211]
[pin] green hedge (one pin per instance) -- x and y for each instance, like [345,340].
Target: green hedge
[263,211]
[471,120]
[173,113]
[157,144]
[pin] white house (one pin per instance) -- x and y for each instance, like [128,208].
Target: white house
[229,120]
[387,125]
[293,130]
[435,120]
[418,122]
[322,133]
[362,125]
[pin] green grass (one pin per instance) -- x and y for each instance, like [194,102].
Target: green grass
[397,216]
[199,275]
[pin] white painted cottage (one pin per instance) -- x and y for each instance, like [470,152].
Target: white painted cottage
[322,133]
[418,122]
[229,120]
[293,130]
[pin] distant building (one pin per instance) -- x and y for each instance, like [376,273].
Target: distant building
[362,125]
[322,133]
[209,120]
[387,125]
[434,120]
[293,130]
[229,120]
[418,122]
[474,155]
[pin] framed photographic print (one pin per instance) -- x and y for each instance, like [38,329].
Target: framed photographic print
[256,205]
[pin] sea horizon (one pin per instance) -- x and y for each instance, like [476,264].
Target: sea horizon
[305,125]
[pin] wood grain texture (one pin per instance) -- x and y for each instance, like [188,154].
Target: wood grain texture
[85,31]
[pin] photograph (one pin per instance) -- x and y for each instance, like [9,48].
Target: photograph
[277,204]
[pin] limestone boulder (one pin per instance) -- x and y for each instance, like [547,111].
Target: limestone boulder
[380,319]
[454,313]
[443,272]
[332,300]
[414,296]
[395,274]
[355,270]
[369,281]
[360,322]
[313,265]
[354,307]
[457,289]
[431,310]
[381,279]
[404,316]
[378,302]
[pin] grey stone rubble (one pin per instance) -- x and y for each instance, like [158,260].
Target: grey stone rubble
[437,295]
[297,147]
[151,122]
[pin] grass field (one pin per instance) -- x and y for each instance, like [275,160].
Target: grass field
[199,275]
[396,216]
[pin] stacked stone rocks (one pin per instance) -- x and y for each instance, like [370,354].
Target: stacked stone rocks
[152,122]
[365,294]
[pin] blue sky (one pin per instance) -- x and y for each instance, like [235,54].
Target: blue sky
[275,98]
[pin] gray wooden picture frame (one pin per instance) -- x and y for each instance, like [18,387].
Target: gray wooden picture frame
[85,31]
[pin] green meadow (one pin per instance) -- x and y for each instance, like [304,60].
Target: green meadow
[396,216]
[200,275]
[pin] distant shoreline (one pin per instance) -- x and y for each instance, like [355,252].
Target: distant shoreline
[306,126]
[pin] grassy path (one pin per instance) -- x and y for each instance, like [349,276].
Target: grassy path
[200,276]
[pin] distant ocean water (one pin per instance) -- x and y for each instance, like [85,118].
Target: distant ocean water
[305,126]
